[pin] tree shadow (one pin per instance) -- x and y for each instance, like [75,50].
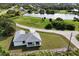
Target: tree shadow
[3,38]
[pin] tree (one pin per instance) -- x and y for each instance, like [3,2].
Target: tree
[48,11]
[29,11]
[1,30]
[58,25]
[12,13]
[41,11]
[50,19]
[6,5]
[77,37]
[76,19]
[17,13]
[27,7]
[7,25]
[48,26]
[59,19]
[69,27]
[44,17]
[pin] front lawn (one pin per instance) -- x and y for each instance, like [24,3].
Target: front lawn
[49,41]
[53,41]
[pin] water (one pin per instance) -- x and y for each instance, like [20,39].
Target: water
[53,16]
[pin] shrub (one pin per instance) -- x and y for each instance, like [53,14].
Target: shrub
[41,11]
[76,19]
[29,11]
[58,25]
[50,19]
[7,26]
[69,27]
[48,26]
[77,37]
[12,13]
[59,19]
[44,17]
[50,11]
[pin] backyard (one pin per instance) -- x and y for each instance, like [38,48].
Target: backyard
[39,23]
[31,21]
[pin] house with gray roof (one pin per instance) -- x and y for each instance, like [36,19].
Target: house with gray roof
[30,39]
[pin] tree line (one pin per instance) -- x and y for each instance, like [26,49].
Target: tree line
[7,26]
[59,24]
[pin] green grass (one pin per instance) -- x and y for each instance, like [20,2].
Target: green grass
[62,11]
[37,22]
[49,41]
[32,21]
[52,41]
[74,23]
[5,42]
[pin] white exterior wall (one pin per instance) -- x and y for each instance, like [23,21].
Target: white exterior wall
[19,43]
[34,44]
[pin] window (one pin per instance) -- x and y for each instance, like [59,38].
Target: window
[37,43]
[29,43]
[23,41]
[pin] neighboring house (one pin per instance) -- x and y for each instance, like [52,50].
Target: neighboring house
[29,39]
[21,9]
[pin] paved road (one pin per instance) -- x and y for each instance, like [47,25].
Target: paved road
[66,34]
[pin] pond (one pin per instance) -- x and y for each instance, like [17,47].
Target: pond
[54,16]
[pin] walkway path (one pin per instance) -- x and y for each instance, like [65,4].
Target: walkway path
[66,34]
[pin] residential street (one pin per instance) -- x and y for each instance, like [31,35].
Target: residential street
[66,34]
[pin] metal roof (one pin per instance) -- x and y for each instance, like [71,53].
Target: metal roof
[23,36]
